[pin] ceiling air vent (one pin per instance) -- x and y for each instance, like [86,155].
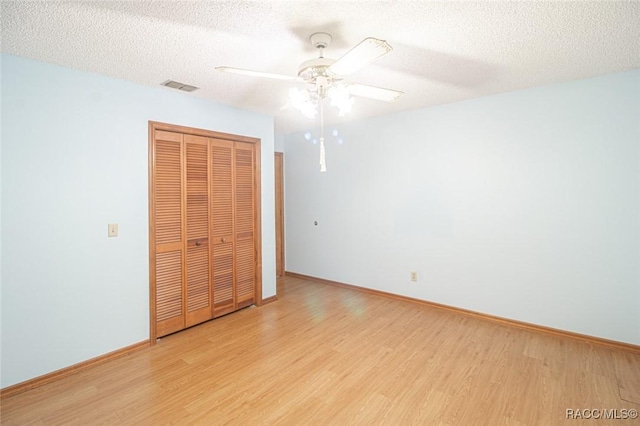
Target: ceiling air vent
[179,86]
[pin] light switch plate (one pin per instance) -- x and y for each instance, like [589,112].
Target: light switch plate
[113,230]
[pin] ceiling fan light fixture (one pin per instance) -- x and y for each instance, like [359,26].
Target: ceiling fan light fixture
[341,98]
[304,101]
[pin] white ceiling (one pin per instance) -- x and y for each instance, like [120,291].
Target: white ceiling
[444,51]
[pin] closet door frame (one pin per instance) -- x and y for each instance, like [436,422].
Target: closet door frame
[159,126]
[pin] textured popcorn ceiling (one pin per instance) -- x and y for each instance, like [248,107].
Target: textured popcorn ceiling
[443,51]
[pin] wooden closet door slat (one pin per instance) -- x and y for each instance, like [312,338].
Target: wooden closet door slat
[222,189]
[168,242]
[168,273]
[169,314]
[198,300]
[198,288]
[245,271]
[244,223]
[197,187]
[168,192]
[222,277]
[222,224]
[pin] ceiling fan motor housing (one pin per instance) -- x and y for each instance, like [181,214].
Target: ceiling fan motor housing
[313,68]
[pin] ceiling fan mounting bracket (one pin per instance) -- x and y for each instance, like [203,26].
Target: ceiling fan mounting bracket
[320,40]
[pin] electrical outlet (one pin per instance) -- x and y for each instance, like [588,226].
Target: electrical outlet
[414,276]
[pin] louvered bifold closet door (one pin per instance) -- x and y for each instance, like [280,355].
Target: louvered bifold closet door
[244,223]
[168,259]
[198,290]
[222,234]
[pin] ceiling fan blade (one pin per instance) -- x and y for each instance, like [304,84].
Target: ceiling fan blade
[372,92]
[258,74]
[367,51]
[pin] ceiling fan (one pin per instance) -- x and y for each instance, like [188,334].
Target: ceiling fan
[326,78]
[324,74]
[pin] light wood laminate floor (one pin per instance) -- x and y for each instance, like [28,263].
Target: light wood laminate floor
[332,356]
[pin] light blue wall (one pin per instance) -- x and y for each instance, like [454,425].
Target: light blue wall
[75,158]
[279,142]
[523,205]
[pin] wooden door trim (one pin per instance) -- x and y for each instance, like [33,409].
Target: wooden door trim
[152,236]
[155,126]
[279,200]
[257,207]
[183,224]
[201,132]
[234,246]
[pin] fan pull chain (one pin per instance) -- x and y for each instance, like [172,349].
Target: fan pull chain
[323,163]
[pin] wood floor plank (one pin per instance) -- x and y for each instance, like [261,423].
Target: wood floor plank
[327,355]
[627,367]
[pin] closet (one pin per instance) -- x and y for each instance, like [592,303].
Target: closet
[204,228]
